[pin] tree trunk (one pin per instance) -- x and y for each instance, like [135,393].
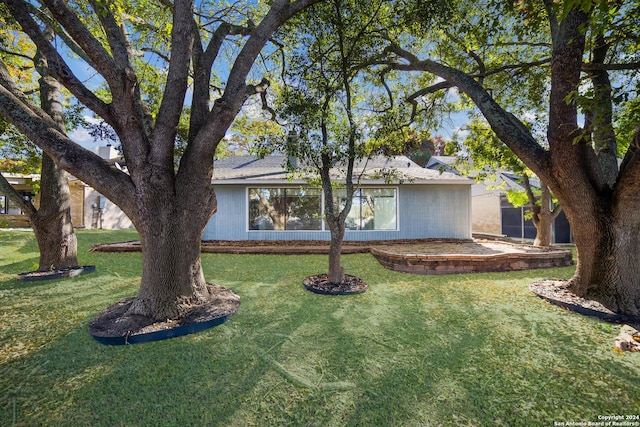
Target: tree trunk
[543,226]
[336,271]
[52,222]
[172,277]
[543,215]
[608,257]
[599,117]
[170,236]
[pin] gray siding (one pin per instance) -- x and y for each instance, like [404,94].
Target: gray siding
[429,210]
[229,221]
[435,211]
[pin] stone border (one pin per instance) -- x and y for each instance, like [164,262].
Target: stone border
[456,263]
[164,334]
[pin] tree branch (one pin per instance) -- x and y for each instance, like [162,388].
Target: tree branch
[553,19]
[168,117]
[115,35]
[7,189]
[63,14]
[41,129]
[413,98]
[203,60]
[203,146]
[506,126]
[590,66]
[57,66]
[61,33]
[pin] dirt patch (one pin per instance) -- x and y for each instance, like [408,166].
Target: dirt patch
[115,322]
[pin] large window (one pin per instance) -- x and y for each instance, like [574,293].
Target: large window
[371,209]
[285,209]
[8,207]
[281,208]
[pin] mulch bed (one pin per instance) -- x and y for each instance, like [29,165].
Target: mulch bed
[114,326]
[33,276]
[320,284]
[557,292]
[280,247]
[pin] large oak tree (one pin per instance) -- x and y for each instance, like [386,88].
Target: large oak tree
[601,201]
[168,204]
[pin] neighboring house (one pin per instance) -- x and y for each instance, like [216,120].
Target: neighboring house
[492,213]
[259,200]
[97,210]
[10,214]
[89,209]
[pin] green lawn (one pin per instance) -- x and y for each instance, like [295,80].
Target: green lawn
[449,350]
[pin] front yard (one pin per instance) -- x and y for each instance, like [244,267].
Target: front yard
[477,349]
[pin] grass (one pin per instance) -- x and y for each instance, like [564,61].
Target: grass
[449,350]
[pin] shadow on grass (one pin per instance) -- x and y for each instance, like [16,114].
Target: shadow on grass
[202,379]
[413,350]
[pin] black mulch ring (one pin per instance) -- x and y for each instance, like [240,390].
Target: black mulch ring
[320,285]
[557,292]
[32,276]
[115,327]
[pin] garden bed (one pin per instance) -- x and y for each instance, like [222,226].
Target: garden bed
[33,276]
[469,257]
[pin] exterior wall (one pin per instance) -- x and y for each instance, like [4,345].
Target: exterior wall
[486,217]
[111,216]
[424,211]
[76,190]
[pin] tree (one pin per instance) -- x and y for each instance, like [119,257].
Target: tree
[488,154]
[603,215]
[320,101]
[51,222]
[169,205]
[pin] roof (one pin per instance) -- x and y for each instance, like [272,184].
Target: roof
[499,181]
[271,169]
[443,163]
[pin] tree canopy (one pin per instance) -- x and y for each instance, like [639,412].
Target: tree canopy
[150,63]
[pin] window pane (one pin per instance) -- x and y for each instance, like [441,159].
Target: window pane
[267,209]
[303,209]
[354,219]
[340,200]
[285,209]
[13,209]
[371,209]
[379,209]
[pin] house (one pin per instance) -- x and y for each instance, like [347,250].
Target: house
[396,199]
[492,213]
[89,209]
[259,200]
